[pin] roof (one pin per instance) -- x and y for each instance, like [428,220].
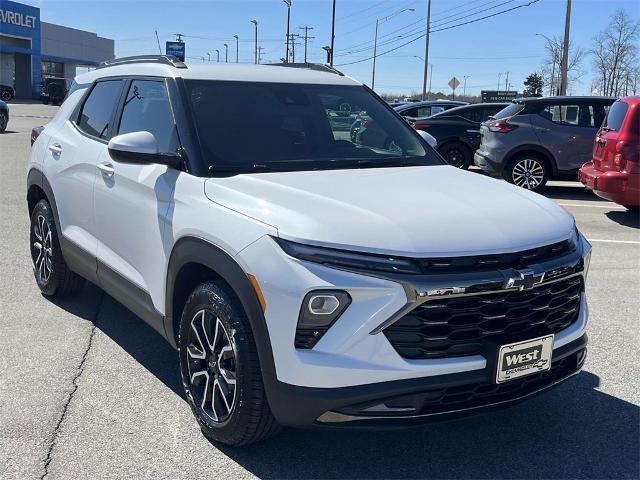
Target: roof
[563,98]
[221,71]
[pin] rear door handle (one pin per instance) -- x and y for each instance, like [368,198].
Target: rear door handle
[106,168]
[56,149]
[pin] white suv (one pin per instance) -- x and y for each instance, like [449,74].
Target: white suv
[304,279]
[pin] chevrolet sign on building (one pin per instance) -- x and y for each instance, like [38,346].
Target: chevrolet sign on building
[31,50]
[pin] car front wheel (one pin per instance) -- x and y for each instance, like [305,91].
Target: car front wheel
[456,155]
[528,171]
[220,368]
[6,95]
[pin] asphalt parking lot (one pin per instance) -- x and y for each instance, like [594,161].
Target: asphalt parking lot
[89,391]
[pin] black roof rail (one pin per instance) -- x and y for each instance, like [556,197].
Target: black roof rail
[162,59]
[320,67]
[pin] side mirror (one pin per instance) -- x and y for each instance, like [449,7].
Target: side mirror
[433,143]
[140,148]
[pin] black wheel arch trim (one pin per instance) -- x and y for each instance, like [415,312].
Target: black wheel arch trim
[195,250]
[532,148]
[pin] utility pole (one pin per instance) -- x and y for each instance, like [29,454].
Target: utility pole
[260,52]
[565,50]
[209,56]
[288,4]
[179,37]
[499,75]
[375,52]
[426,52]
[293,37]
[237,46]
[464,87]
[333,33]
[226,53]
[255,51]
[430,78]
[306,37]
[506,83]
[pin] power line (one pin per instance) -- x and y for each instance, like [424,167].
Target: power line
[531,2]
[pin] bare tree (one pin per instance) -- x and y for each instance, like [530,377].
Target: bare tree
[551,68]
[615,55]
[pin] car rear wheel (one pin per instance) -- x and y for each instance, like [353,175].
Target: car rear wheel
[4,119]
[220,369]
[456,155]
[53,276]
[528,171]
[6,95]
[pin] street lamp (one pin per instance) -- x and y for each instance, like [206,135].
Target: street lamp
[553,68]
[288,4]
[464,85]
[329,54]
[209,55]
[375,41]
[226,53]
[218,53]
[255,22]
[237,46]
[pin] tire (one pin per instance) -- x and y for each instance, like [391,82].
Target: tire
[4,119]
[223,384]
[6,95]
[456,154]
[537,168]
[53,276]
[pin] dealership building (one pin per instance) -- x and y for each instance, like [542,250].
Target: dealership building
[31,50]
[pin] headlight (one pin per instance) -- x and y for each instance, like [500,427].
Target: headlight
[347,259]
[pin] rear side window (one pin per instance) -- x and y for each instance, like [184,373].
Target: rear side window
[97,110]
[579,115]
[509,111]
[147,109]
[615,117]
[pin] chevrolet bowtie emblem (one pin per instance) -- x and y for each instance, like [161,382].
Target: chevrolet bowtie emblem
[522,279]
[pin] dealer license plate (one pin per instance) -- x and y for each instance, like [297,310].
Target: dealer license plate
[516,360]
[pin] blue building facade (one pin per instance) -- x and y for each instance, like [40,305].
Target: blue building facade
[31,49]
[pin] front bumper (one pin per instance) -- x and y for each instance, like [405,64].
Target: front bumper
[611,185]
[415,401]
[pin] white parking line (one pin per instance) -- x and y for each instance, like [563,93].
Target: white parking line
[618,207]
[632,242]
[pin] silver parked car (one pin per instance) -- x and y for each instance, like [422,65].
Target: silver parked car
[535,139]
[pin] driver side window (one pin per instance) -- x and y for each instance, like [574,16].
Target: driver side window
[147,108]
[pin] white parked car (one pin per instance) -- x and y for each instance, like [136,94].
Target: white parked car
[303,278]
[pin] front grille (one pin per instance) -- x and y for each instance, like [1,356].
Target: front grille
[459,326]
[477,394]
[476,263]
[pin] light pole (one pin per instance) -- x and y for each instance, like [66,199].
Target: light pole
[209,55]
[255,22]
[564,64]
[329,54]
[237,46]
[464,85]
[288,4]
[218,54]
[553,68]
[375,41]
[333,34]
[426,53]
[226,53]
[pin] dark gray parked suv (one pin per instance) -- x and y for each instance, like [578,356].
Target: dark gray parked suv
[535,139]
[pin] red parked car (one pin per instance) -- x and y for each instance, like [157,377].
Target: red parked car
[614,172]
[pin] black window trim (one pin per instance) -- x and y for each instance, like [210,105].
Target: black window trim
[581,104]
[76,113]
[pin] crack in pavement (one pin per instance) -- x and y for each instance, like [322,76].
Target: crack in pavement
[54,435]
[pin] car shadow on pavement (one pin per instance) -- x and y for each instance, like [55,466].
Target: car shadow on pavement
[570,192]
[628,218]
[573,431]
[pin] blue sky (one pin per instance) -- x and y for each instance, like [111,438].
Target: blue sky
[480,50]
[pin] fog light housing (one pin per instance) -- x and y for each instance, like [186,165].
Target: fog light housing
[320,309]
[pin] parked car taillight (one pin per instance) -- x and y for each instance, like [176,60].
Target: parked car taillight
[619,160]
[501,126]
[35,133]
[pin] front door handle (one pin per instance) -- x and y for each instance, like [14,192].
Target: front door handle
[106,168]
[55,148]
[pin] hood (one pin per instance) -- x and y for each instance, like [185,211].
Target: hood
[412,211]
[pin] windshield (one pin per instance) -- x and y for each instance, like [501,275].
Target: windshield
[249,126]
[509,111]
